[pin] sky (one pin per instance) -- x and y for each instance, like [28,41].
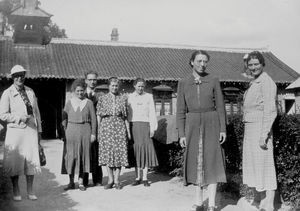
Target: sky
[270,24]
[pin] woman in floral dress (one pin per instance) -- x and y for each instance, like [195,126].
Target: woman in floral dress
[113,132]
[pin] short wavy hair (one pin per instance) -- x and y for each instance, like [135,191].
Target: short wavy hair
[139,80]
[78,83]
[113,79]
[256,55]
[91,72]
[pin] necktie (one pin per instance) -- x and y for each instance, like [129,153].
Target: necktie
[90,95]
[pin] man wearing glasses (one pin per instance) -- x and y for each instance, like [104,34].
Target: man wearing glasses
[91,82]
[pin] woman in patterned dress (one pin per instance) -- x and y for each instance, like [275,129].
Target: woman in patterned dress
[80,126]
[259,114]
[202,130]
[113,132]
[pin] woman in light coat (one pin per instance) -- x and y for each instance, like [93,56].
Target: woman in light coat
[19,109]
[259,114]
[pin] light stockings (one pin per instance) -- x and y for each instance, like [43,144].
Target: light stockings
[212,190]
[138,173]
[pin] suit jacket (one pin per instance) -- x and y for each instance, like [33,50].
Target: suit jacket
[12,107]
[260,103]
[94,98]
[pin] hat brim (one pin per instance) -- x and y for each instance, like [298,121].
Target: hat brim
[23,71]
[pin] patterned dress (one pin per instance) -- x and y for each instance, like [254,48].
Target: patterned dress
[259,114]
[112,134]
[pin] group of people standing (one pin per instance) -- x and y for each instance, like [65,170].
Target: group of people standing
[97,130]
[98,127]
[202,130]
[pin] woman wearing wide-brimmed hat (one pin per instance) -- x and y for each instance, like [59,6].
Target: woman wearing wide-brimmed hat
[19,109]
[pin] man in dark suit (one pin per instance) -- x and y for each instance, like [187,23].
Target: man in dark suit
[91,81]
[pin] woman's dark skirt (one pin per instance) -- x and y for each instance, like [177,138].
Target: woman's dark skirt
[144,152]
[204,159]
[77,146]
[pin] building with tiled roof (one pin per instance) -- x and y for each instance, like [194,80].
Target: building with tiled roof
[67,59]
[53,66]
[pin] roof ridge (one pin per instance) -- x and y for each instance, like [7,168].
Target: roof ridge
[277,62]
[154,45]
[20,7]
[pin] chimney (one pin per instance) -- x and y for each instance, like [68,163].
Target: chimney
[114,34]
[30,3]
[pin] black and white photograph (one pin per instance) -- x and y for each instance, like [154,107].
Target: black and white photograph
[162,105]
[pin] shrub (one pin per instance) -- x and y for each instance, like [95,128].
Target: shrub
[286,132]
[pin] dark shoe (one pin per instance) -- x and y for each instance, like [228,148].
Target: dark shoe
[211,208]
[82,187]
[97,184]
[70,186]
[195,207]
[118,186]
[146,183]
[109,186]
[136,182]
[86,185]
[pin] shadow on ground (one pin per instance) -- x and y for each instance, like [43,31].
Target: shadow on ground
[127,178]
[50,194]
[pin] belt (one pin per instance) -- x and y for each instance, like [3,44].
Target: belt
[107,116]
[202,110]
[79,123]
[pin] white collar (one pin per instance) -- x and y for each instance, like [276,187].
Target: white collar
[75,102]
[137,94]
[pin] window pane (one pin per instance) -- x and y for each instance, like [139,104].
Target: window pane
[228,108]
[157,108]
[235,108]
[167,106]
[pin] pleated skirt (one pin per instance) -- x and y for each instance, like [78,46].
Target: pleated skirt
[144,152]
[258,164]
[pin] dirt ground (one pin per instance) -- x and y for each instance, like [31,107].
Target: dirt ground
[165,193]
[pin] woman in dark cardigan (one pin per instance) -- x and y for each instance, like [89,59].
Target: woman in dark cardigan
[201,125]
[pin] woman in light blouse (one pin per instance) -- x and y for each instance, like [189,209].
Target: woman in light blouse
[143,124]
[259,114]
